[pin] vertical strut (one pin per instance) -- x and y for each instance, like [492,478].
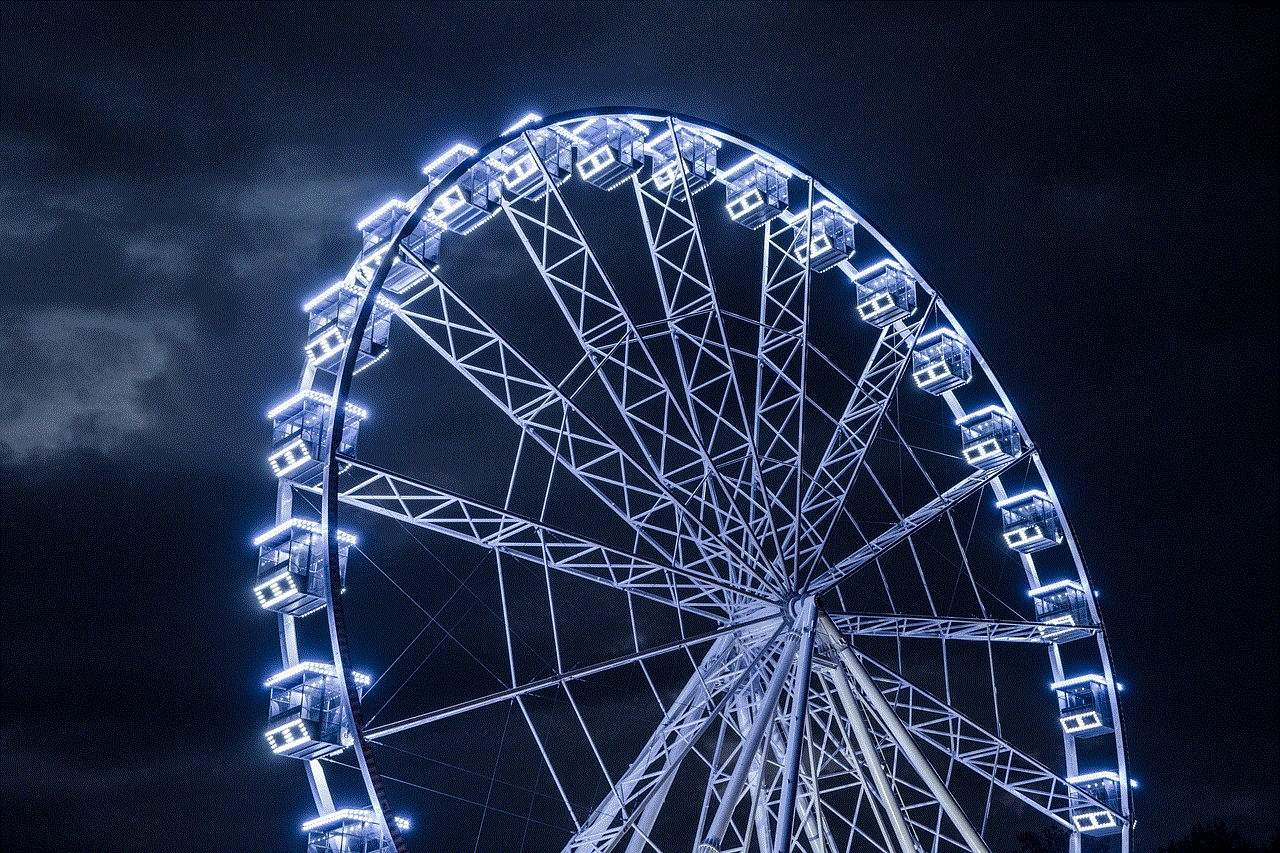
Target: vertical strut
[888,799]
[750,746]
[856,769]
[901,736]
[799,710]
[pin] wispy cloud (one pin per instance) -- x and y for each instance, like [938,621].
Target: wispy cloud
[76,379]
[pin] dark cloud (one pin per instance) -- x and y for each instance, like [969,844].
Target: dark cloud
[75,378]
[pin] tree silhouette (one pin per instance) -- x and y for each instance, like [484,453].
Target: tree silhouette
[1216,838]
[1051,839]
[1203,838]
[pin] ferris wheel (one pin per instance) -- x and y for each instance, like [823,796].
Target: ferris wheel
[687,517]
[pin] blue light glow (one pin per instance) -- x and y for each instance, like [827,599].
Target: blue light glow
[276,588]
[521,169]
[1082,722]
[1024,497]
[744,204]
[316,668]
[596,162]
[996,411]
[354,815]
[289,458]
[350,287]
[317,397]
[393,204]
[457,153]
[1078,681]
[304,524]
[939,334]
[525,121]
[1056,586]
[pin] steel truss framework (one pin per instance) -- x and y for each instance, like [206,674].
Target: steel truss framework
[760,509]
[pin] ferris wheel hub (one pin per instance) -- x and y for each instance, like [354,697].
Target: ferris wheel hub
[796,603]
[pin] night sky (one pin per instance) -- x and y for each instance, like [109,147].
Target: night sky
[1092,189]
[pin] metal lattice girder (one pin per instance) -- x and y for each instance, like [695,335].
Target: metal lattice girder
[766,780]
[809,821]
[942,628]
[415,502]
[781,358]
[795,728]
[732,704]
[696,326]
[726,668]
[935,722]
[829,488]
[816,828]
[910,524]
[662,427]
[763,719]
[883,713]
[546,414]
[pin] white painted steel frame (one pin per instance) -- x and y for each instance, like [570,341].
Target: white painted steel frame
[724,514]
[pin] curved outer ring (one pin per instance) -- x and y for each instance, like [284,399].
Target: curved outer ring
[335,424]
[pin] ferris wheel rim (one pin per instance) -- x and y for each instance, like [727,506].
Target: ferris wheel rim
[335,417]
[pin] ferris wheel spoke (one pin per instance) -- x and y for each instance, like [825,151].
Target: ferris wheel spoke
[962,548]
[796,715]
[833,480]
[756,790]
[794,739]
[765,787]
[945,728]
[562,678]
[884,800]
[814,821]
[550,417]
[945,628]
[374,489]
[762,720]
[696,328]
[781,359]
[838,768]
[559,249]
[910,523]
[639,792]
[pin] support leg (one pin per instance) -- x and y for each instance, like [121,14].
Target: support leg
[799,710]
[750,746]
[901,736]
[871,757]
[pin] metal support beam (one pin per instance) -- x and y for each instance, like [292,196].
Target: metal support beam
[909,524]
[831,484]
[799,709]
[901,736]
[871,757]
[375,489]
[557,680]
[686,722]
[750,746]
[949,628]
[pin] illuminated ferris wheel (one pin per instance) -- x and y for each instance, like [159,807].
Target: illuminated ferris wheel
[687,518]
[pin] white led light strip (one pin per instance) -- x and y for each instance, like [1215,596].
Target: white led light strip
[301,524]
